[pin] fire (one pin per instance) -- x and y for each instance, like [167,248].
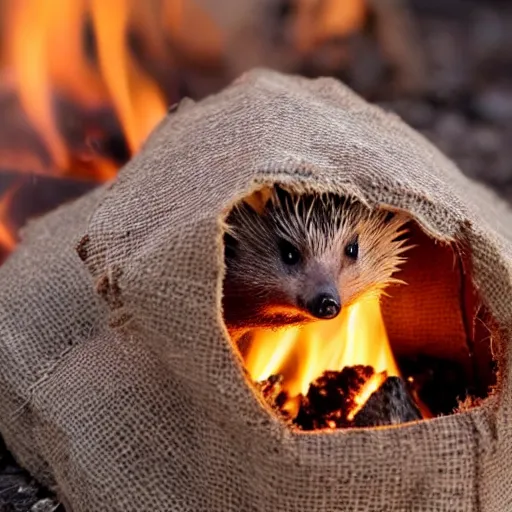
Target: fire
[71,72]
[82,51]
[89,79]
[374,383]
[137,100]
[45,51]
[7,239]
[302,354]
[319,21]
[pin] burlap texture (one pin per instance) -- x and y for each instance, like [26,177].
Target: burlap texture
[152,411]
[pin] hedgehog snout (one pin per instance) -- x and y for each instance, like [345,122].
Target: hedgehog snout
[325,305]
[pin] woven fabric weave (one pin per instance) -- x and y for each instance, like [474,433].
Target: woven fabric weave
[120,386]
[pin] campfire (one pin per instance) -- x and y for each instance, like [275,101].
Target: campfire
[77,99]
[81,86]
[294,359]
[345,372]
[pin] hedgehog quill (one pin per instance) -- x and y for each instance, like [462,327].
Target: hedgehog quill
[296,258]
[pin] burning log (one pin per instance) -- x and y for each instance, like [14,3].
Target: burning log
[357,396]
[332,398]
[391,404]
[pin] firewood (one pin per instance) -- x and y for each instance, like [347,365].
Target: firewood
[391,404]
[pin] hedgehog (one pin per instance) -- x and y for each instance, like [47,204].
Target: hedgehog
[293,258]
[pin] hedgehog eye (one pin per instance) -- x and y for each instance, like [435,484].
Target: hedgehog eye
[352,249]
[289,253]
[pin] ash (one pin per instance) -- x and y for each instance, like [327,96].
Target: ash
[21,493]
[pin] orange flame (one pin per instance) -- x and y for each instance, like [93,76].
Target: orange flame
[302,354]
[7,238]
[45,51]
[31,23]
[317,21]
[46,62]
[137,100]
[373,383]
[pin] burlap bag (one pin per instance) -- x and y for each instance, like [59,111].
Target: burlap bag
[150,409]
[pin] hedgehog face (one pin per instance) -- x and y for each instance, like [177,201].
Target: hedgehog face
[303,258]
[312,282]
[271,283]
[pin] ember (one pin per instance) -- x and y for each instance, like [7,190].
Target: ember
[358,397]
[354,397]
[335,398]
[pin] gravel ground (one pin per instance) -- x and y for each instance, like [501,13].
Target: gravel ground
[465,108]
[21,493]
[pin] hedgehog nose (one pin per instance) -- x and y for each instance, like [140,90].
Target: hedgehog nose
[325,306]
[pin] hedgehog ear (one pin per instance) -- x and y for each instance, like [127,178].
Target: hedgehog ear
[259,200]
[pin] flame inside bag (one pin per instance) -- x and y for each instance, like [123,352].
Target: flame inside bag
[302,354]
